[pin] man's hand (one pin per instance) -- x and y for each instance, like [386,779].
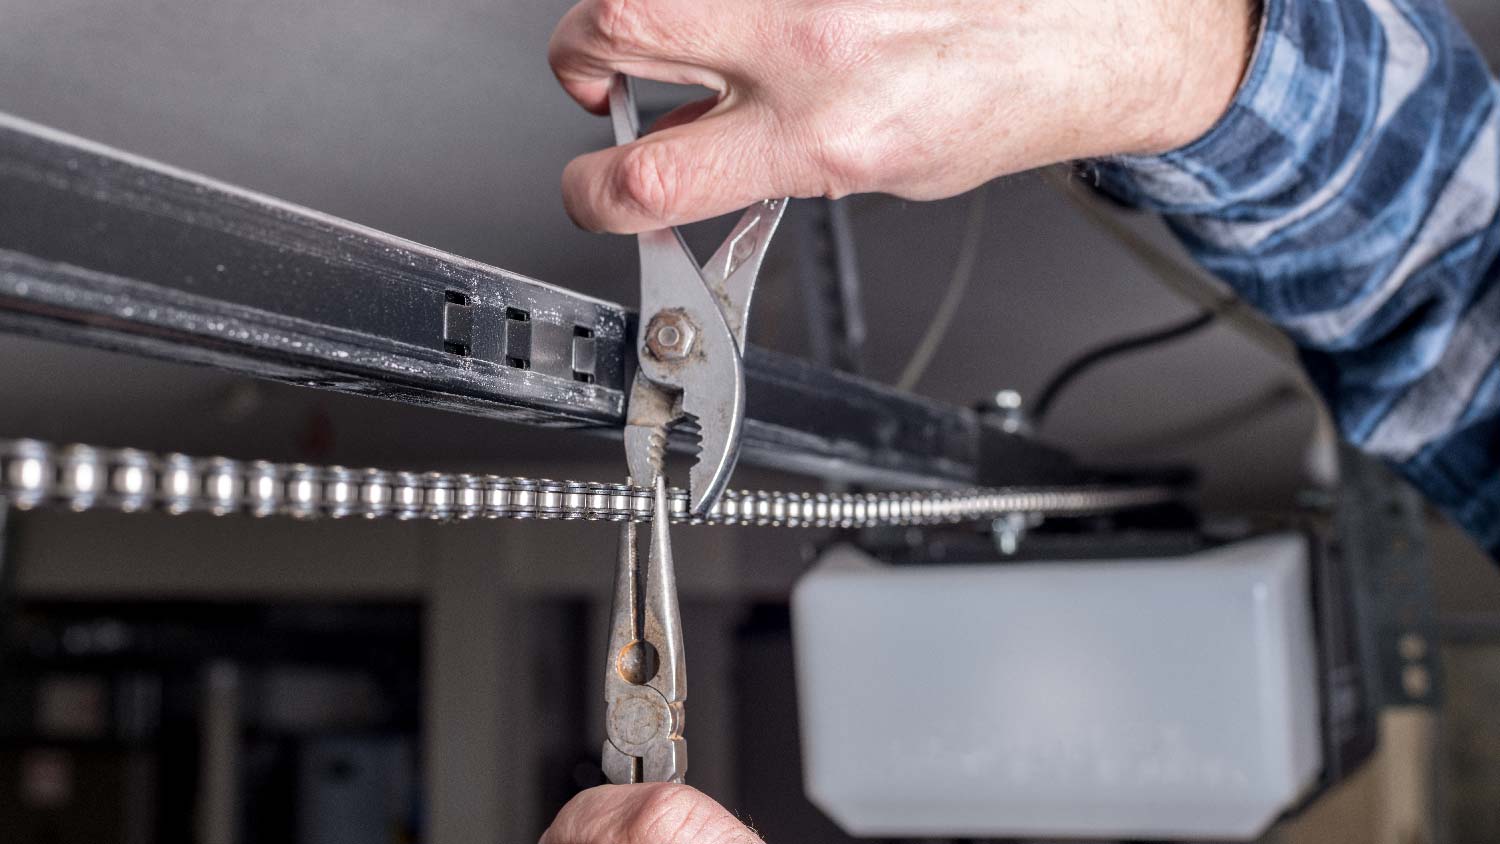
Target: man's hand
[655,813]
[923,99]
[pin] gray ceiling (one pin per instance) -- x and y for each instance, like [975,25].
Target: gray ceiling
[440,122]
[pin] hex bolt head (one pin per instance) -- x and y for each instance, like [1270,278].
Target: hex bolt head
[670,335]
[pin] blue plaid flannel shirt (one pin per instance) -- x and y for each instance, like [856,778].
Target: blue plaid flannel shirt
[1350,194]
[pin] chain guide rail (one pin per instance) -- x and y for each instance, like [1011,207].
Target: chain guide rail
[83,477]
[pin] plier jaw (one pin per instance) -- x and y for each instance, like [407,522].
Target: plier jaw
[691,339]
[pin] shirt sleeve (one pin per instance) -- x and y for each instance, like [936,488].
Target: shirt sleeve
[1350,194]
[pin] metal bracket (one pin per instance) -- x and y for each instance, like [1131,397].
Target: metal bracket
[1381,532]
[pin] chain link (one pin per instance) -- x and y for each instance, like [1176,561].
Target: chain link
[85,477]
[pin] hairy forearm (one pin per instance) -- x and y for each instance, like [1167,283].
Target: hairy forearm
[923,99]
[1199,79]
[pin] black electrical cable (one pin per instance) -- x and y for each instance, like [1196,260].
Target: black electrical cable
[1088,360]
[1273,399]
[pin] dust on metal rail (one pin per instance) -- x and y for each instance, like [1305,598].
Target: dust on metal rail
[103,249]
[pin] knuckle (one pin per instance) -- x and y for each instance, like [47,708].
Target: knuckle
[834,37]
[845,161]
[621,22]
[648,180]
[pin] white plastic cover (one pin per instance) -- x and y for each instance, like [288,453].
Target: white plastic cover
[1128,699]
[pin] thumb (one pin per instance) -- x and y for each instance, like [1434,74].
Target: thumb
[716,164]
[653,813]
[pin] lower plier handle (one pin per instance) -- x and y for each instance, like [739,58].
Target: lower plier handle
[645,676]
[644,740]
[666,762]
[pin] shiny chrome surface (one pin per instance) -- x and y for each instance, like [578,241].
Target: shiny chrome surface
[82,477]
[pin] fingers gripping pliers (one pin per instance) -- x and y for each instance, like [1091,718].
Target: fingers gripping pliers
[689,377]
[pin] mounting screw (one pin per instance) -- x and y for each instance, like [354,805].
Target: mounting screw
[1008,400]
[670,335]
[1006,406]
[1010,529]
